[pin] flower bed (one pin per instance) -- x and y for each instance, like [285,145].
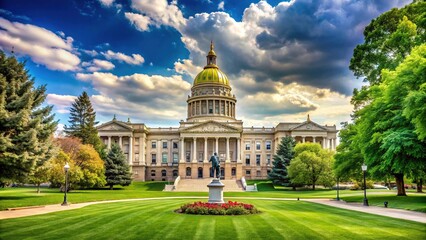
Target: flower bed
[229,208]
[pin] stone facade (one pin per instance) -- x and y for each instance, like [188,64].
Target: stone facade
[162,154]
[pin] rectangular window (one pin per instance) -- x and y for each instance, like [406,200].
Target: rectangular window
[200,156]
[247,159]
[154,158]
[154,144]
[175,157]
[247,145]
[204,107]
[268,145]
[257,145]
[164,145]
[216,106]
[152,174]
[222,106]
[248,172]
[175,145]
[258,159]
[164,158]
[210,107]
[258,173]
[268,159]
[188,156]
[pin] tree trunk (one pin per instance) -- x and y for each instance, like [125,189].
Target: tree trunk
[313,186]
[38,188]
[420,185]
[294,188]
[399,179]
[111,187]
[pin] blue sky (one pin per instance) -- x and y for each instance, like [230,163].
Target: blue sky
[138,58]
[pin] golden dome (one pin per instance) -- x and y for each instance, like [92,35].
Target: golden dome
[211,72]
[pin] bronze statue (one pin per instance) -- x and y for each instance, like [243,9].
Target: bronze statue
[215,165]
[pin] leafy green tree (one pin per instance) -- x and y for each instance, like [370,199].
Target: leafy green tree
[57,173]
[415,110]
[26,127]
[117,170]
[83,121]
[387,139]
[40,175]
[285,153]
[311,165]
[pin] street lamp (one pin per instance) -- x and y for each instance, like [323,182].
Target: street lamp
[364,169]
[66,168]
[338,198]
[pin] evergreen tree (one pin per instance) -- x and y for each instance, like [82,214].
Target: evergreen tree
[117,170]
[82,122]
[285,153]
[26,127]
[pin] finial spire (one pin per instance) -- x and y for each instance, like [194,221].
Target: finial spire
[211,57]
[309,119]
[114,118]
[211,45]
[128,120]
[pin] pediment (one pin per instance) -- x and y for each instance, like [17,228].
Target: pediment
[211,127]
[114,126]
[308,126]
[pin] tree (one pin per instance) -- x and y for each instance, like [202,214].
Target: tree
[117,170]
[83,121]
[311,165]
[388,140]
[57,173]
[40,175]
[85,161]
[26,127]
[285,153]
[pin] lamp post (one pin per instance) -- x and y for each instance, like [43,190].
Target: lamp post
[364,169]
[338,198]
[66,168]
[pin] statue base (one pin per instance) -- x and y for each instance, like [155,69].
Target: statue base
[216,191]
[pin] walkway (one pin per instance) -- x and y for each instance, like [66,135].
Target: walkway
[388,212]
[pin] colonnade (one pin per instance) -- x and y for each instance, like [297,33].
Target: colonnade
[211,107]
[206,157]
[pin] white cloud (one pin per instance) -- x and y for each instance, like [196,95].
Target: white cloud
[61,103]
[106,3]
[139,21]
[97,65]
[151,98]
[43,46]
[187,67]
[160,12]
[135,59]
[221,6]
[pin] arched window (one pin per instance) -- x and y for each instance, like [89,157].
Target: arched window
[233,171]
[153,173]
[188,171]
[163,173]
[175,173]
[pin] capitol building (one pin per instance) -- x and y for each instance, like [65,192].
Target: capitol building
[163,154]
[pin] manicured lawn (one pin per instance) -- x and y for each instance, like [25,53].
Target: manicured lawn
[156,220]
[27,196]
[415,202]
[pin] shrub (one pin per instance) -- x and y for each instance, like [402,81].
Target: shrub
[229,208]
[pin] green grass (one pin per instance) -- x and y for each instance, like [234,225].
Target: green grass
[415,202]
[156,220]
[27,196]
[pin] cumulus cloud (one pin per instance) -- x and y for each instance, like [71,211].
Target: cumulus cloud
[41,45]
[135,59]
[141,22]
[61,103]
[159,12]
[97,65]
[141,96]
[106,3]
[221,6]
[187,67]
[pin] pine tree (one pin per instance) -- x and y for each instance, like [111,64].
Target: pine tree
[285,153]
[26,127]
[82,122]
[117,171]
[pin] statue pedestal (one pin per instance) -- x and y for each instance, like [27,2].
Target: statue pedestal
[216,191]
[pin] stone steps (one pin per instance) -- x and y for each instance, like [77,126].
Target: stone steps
[200,185]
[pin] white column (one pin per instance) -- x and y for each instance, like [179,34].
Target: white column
[205,150]
[130,150]
[120,142]
[182,149]
[238,150]
[217,146]
[194,154]
[323,143]
[314,139]
[214,107]
[109,142]
[334,143]
[227,150]
[303,139]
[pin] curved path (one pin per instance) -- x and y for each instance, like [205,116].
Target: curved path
[388,212]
